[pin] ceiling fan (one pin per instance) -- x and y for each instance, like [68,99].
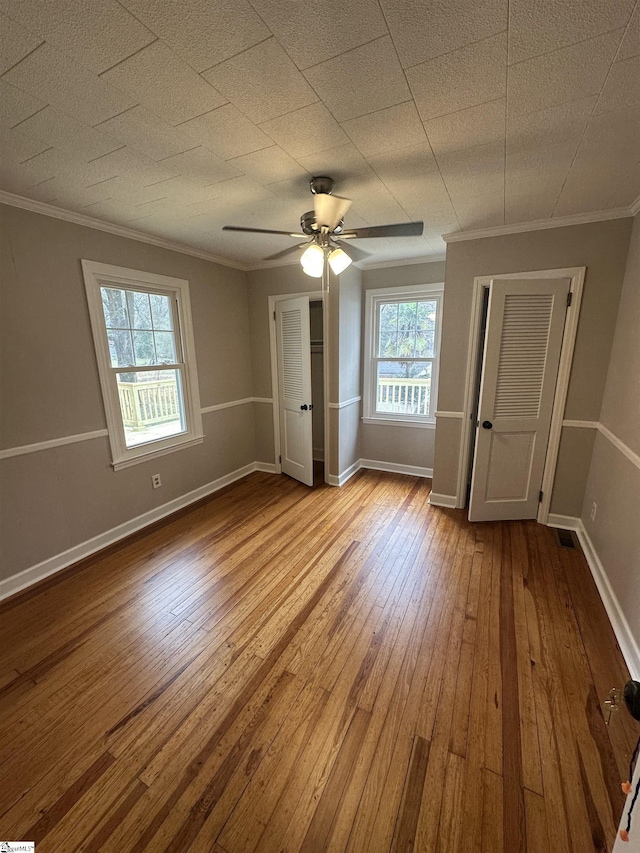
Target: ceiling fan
[324,234]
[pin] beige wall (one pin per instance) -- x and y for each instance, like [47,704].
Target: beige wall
[349,296]
[393,443]
[602,248]
[55,499]
[614,481]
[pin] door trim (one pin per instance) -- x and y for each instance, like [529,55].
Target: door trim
[313,296]
[577,275]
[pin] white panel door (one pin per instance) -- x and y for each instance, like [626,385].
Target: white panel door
[525,325]
[293,343]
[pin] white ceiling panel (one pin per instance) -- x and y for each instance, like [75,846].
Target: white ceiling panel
[226,132]
[306,131]
[629,189]
[97,34]
[464,78]
[59,130]
[366,79]
[263,82]
[406,164]
[480,211]
[202,32]
[607,154]
[423,31]
[201,165]
[466,128]
[622,87]
[17,147]
[373,201]
[127,163]
[473,172]
[268,165]
[311,35]
[16,105]
[49,75]
[549,127]
[534,178]
[206,112]
[15,43]
[342,163]
[144,131]
[386,130]
[164,83]
[547,25]
[631,42]
[564,75]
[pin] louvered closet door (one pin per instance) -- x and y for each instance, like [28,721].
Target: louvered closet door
[525,325]
[293,342]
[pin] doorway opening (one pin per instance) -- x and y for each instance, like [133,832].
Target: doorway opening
[298,333]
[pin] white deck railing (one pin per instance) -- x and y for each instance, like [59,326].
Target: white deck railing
[147,403]
[404,396]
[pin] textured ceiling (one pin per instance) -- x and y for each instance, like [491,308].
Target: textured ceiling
[175,117]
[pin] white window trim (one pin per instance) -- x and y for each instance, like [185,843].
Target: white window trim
[97,275]
[372,300]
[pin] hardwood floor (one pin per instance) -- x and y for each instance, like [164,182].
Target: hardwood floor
[305,670]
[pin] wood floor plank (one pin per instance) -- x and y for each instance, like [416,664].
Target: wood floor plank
[284,668]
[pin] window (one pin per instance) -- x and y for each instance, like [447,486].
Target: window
[144,345]
[402,341]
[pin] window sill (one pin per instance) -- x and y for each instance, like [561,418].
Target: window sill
[399,422]
[127,462]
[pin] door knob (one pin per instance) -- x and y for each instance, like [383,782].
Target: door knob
[304,407]
[487,425]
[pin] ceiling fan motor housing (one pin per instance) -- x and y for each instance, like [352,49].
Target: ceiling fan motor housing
[321,185]
[309,224]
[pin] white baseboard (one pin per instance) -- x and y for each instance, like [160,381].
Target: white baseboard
[396,468]
[345,475]
[447,501]
[27,577]
[628,644]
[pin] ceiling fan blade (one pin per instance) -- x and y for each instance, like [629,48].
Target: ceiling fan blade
[354,253]
[263,231]
[285,252]
[402,229]
[330,209]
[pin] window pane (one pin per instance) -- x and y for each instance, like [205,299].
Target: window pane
[114,305]
[120,348]
[139,310]
[165,347]
[143,348]
[152,405]
[407,329]
[403,387]
[161,311]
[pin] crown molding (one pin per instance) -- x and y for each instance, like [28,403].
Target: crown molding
[540,225]
[111,228]
[422,259]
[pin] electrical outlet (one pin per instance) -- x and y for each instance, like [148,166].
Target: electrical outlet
[156,482]
[594,509]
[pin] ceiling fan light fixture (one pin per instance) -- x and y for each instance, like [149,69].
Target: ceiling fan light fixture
[339,261]
[312,260]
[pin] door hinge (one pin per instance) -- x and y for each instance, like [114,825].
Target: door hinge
[540,496]
[280,459]
[274,315]
[569,298]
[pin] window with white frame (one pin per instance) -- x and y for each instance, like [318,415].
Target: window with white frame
[402,349]
[144,344]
